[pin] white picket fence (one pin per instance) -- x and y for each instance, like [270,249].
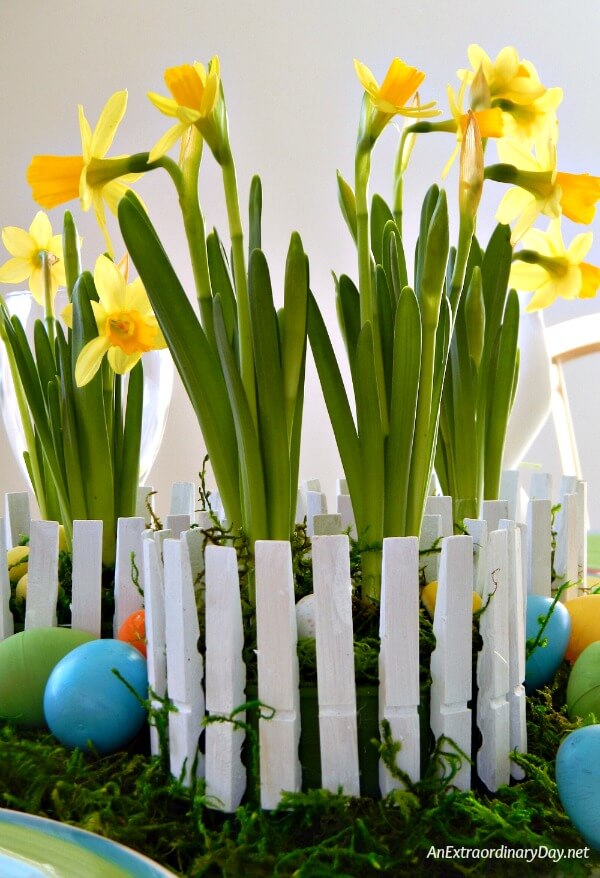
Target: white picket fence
[177,574]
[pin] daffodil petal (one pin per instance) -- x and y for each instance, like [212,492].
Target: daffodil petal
[18,242]
[15,270]
[100,215]
[366,78]
[122,362]
[525,221]
[580,246]
[542,299]
[137,298]
[110,285]
[41,230]
[167,106]
[165,143]
[85,132]
[107,124]
[90,359]
[100,315]
[513,152]
[514,202]
[36,285]
[67,315]
[526,277]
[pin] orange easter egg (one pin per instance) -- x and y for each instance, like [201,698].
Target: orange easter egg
[133,631]
[585,623]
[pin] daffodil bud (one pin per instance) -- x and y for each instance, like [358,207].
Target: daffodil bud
[479,92]
[470,183]
[475,316]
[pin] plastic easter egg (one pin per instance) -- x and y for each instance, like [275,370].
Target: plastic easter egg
[583,688]
[26,660]
[305,616]
[17,560]
[544,661]
[87,705]
[133,631]
[429,597]
[21,589]
[578,781]
[585,623]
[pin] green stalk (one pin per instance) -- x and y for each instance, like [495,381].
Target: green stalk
[241,283]
[193,223]
[48,299]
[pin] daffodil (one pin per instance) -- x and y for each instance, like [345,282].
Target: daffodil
[127,328]
[550,270]
[391,97]
[541,188]
[194,97]
[29,251]
[95,179]
[514,87]
[489,121]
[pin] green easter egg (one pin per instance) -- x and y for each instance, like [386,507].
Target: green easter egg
[583,688]
[26,661]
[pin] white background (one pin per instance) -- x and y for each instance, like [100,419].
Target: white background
[293,103]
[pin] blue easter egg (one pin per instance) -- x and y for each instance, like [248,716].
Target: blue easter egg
[544,661]
[86,705]
[578,781]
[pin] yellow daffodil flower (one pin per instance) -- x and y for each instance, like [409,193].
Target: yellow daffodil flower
[489,121]
[127,328]
[195,93]
[514,87]
[391,97]
[28,251]
[57,179]
[550,270]
[541,188]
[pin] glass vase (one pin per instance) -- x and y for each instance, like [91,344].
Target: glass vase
[158,386]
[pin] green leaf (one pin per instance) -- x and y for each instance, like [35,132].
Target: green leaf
[501,396]
[495,270]
[44,356]
[429,204]
[71,253]
[74,475]
[129,465]
[381,215]
[272,401]
[95,445]
[336,400]
[255,213]
[197,364]
[403,410]
[251,467]
[394,262]
[385,309]
[295,316]
[221,284]
[347,203]
[348,312]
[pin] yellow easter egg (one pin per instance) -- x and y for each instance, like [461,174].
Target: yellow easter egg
[17,559]
[585,623]
[21,589]
[429,595]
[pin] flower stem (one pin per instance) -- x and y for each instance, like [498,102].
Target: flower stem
[48,298]
[193,222]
